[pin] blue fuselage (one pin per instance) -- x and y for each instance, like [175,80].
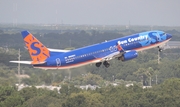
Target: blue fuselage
[105,50]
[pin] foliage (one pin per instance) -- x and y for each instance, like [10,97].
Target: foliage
[163,94]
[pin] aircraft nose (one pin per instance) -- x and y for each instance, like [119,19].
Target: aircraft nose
[169,36]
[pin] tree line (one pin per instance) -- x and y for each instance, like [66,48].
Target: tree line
[165,94]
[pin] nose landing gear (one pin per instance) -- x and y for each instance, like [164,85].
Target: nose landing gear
[160,49]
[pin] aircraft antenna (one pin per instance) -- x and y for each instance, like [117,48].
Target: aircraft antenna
[69,75]
[158,64]
[19,55]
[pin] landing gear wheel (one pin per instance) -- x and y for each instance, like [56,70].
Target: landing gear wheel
[160,49]
[106,64]
[98,64]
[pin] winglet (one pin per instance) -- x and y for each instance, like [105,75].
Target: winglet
[38,52]
[119,47]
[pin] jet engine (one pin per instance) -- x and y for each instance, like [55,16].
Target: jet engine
[128,55]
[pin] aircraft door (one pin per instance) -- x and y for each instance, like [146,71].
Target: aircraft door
[58,62]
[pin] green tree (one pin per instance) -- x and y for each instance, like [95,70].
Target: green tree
[9,97]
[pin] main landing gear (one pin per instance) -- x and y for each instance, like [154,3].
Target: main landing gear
[98,64]
[105,63]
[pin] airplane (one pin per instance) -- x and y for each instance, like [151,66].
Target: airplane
[124,49]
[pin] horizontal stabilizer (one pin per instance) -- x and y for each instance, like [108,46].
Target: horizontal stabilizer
[27,62]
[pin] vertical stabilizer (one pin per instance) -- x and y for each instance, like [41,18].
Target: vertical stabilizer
[38,52]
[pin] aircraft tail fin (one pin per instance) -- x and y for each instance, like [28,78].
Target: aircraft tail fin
[38,52]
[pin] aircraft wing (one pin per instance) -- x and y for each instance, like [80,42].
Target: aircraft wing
[107,57]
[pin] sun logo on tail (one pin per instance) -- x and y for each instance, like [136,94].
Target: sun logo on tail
[37,50]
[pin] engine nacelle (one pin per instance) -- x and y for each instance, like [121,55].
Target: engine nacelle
[129,55]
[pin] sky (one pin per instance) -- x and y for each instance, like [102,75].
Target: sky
[91,12]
